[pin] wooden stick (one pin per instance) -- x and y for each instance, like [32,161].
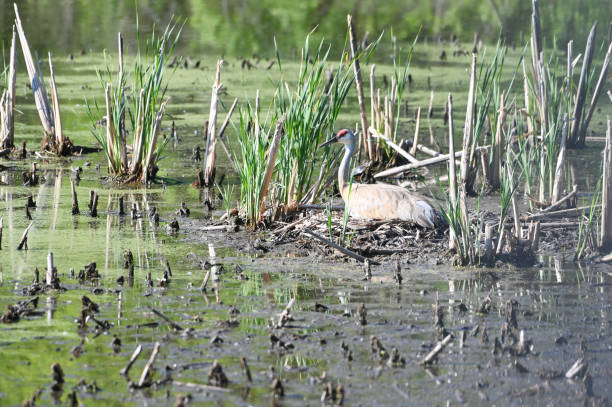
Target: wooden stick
[126,369]
[272,153]
[424,149]
[344,250]
[452,176]
[173,324]
[416,132]
[211,140]
[1,224]
[606,194]
[394,146]
[419,164]
[431,356]
[359,85]
[564,212]
[146,372]
[561,201]
[24,238]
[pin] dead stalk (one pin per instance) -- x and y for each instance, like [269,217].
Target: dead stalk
[452,176]
[606,195]
[416,132]
[211,141]
[272,153]
[367,142]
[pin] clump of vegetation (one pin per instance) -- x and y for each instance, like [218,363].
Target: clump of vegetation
[146,95]
[284,155]
[311,109]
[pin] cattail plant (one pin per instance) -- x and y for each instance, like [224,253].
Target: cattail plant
[148,103]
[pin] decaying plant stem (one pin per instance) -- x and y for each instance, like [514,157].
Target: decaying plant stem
[606,195]
[367,141]
[452,176]
[211,141]
[7,106]
[272,153]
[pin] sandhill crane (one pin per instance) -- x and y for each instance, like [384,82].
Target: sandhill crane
[381,201]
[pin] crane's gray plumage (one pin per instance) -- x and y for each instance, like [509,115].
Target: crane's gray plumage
[381,201]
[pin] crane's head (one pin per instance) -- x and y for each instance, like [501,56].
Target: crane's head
[344,136]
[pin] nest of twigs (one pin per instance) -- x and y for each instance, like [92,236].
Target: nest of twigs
[365,237]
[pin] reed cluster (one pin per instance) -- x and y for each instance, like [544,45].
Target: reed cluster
[143,102]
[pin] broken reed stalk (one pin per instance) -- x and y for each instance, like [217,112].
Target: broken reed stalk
[222,130]
[36,80]
[1,224]
[7,107]
[560,159]
[576,138]
[146,372]
[408,156]
[75,202]
[126,369]
[57,121]
[465,175]
[606,195]
[452,176]
[431,356]
[498,146]
[373,95]
[173,324]
[272,153]
[468,134]
[422,163]
[24,238]
[416,132]
[367,141]
[600,84]
[49,275]
[211,140]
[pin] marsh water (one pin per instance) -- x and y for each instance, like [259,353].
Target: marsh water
[563,307]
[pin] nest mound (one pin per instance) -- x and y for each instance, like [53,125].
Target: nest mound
[368,238]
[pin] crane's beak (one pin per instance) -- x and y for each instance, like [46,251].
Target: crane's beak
[328,142]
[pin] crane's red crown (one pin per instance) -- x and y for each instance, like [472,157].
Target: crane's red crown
[342,133]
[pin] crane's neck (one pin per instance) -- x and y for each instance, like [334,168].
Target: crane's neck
[344,170]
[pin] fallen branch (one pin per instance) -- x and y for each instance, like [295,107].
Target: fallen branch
[173,324]
[394,146]
[146,372]
[422,163]
[431,356]
[24,239]
[344,250]
[126,369]
[561,201]
[562,212]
